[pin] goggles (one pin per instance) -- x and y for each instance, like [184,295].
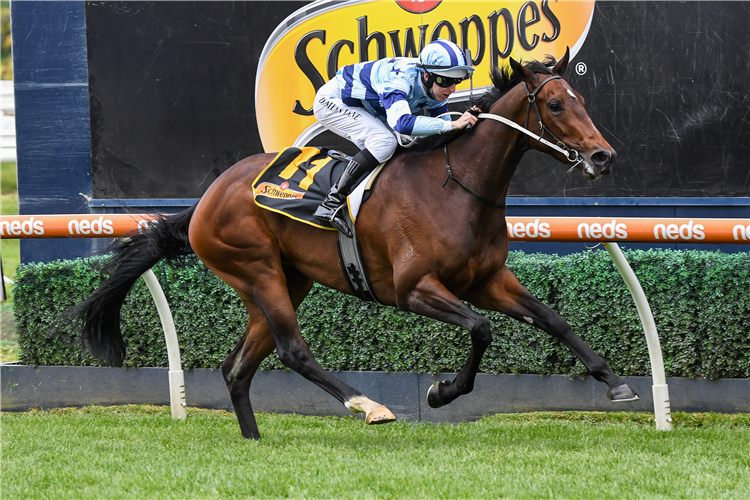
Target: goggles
[446,81]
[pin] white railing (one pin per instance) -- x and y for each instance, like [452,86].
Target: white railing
[583,229]
[7,121]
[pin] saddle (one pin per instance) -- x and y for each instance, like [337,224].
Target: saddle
[297,181]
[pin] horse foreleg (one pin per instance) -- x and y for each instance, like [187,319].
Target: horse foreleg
[430,298]
[505,294]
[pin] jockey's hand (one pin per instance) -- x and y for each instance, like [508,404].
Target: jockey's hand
[467,118]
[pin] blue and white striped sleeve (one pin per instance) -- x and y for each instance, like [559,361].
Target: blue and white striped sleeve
[401,119]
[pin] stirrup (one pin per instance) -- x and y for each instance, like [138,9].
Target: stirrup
[327,209]
[327,216]
[338,221]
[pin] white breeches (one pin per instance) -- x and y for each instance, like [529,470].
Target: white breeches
[353,123]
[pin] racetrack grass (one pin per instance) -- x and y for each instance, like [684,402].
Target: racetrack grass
[141,452]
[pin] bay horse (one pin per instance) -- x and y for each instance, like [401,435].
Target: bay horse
[456,230]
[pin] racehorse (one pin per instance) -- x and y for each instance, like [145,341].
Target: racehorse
[456,231]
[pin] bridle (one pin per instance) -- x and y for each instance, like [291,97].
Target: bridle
[570,154]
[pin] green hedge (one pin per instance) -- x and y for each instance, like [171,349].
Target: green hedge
[700,301]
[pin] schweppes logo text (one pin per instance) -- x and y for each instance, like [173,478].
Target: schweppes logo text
[276,191]
[309,47]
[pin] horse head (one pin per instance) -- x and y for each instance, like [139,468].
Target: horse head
[558,114]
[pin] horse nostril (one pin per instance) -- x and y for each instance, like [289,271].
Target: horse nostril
[602,158]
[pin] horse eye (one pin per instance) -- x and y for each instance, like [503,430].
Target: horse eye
[554,106]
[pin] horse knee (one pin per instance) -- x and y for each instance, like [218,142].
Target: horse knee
[560,327]
[552,323]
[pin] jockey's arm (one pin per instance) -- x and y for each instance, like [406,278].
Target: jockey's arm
[401,119]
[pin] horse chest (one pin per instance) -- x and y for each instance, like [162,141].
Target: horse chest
[465,269]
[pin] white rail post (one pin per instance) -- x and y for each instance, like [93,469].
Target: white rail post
[176,375]
[662,412]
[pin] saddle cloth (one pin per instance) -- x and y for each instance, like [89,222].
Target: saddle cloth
[298,180]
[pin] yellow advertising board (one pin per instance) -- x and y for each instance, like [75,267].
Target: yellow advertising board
[308,47]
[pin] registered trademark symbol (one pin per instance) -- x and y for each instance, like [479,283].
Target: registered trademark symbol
[581,68]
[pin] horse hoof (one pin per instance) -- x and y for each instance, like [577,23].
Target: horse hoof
[380,415]
[622,394]
[433,394]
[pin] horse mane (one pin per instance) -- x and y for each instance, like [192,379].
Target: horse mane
[503,80]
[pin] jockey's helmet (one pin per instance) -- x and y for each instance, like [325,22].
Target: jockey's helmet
[443,58]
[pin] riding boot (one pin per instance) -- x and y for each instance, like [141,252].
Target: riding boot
[331,209]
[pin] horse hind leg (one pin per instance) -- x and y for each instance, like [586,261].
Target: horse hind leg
[294,352]
[260,340]
[256,344]
[240,366]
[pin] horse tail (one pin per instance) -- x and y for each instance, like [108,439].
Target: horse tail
[164,238]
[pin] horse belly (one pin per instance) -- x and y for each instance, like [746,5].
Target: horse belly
[312,251]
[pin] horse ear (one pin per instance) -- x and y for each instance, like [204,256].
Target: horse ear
[562,64]
[520,71]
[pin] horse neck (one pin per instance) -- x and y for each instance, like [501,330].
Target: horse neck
[488,156]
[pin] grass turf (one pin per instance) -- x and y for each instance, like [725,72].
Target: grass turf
[141,452]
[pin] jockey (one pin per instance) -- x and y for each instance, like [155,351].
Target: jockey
[367,102]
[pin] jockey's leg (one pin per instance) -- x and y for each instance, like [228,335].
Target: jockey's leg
[374,139]
[330,210]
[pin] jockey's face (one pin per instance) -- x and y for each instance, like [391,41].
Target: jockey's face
[442,93]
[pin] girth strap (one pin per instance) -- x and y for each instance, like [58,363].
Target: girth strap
[350,258]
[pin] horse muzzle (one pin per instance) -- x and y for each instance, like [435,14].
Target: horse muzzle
[598,163]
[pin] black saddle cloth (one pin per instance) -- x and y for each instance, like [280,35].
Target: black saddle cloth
[297,181]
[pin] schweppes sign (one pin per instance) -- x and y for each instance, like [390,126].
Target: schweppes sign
[307,49]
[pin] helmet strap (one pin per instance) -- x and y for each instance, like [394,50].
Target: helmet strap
[428,83]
